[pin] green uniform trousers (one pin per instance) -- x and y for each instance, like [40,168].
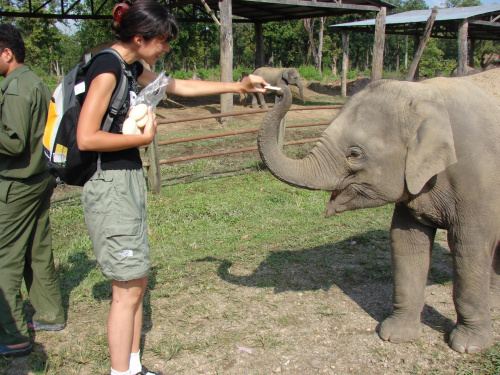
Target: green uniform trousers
[26,252]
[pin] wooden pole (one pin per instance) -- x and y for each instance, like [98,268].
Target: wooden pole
[345,63]
[153,171]
[378,46]
[226,55]
[462,48]
[427,33]
[416,42]
[259,45]
[472,46]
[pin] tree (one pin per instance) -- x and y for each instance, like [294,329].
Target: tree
[461,3]
[244,45]
[37,32]
[317,52]
[285,43]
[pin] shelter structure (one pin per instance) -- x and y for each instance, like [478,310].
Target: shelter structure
[466,24]
[242,11]
[229,11]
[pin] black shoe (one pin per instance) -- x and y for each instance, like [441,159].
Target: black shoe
[8,352]
[145,371]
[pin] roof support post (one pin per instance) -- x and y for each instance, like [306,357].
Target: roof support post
[472,46]
[462,48]
[345,63]
[259,45]
[226,55]
[378,46]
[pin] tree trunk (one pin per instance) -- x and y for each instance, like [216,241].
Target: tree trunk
[309,27]
[259,45]
[322,21]
[406,52]
[345,63]
[226,55]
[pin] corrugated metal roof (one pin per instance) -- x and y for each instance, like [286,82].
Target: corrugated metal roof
[418,16]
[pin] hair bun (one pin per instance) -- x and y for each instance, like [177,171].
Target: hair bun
[119,10]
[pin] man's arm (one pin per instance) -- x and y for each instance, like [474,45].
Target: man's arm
[14,125]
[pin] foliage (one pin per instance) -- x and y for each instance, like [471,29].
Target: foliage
[238,70]
[37,32]
[461,3]
[309,72]
[244,45]
[285,43]
[431,59]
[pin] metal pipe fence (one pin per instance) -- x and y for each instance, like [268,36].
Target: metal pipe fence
[153,163]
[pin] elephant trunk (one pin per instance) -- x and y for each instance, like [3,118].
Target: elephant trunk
[301,91]
[308,173]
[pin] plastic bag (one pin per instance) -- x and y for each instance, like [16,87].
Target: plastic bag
[153,93]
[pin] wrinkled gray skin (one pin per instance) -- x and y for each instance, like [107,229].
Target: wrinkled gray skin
[276,77]
[433,149]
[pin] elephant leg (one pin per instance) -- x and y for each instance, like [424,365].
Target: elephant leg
[471,260]
[255,103]
[262,100]
[411,244]
[495,280]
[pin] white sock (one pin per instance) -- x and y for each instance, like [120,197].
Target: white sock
[135,363]
[114,372]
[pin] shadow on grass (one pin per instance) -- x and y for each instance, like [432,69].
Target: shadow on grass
[360,266]
[72,273]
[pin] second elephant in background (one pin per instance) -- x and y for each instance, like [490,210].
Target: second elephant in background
[275,77]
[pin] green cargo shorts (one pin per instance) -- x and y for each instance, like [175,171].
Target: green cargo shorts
[114,206]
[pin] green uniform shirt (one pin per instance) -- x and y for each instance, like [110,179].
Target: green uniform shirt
[24,107]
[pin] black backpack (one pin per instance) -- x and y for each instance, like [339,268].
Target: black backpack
[64,160]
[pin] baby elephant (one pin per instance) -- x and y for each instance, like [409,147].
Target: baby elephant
[275,76]
[433,149]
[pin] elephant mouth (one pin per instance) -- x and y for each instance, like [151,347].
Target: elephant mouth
[330,209]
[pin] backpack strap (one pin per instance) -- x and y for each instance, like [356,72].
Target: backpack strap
[118,98]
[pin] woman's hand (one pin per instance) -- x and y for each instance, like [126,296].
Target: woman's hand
[151,126]
[253,83]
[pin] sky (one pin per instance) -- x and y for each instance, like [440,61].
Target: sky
[439,3]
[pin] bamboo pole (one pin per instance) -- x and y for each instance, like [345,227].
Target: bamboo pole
[427,33]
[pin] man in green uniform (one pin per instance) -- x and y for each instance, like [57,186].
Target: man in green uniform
[25,191]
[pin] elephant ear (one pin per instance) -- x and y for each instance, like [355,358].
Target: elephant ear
[284,75]
[431,148]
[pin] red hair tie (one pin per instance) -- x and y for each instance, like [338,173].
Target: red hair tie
[119,10]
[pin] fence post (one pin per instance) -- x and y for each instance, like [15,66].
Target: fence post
[153,172]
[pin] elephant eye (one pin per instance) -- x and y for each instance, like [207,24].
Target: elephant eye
[355,154]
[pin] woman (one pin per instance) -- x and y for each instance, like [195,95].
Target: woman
[114,201]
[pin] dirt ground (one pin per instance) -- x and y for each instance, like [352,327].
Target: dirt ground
[320,329]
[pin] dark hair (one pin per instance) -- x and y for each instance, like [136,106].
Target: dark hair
[147,18]
[11,38]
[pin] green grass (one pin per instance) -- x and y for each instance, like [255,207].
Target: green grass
[486,364]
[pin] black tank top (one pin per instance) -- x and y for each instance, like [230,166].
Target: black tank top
[108,63]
